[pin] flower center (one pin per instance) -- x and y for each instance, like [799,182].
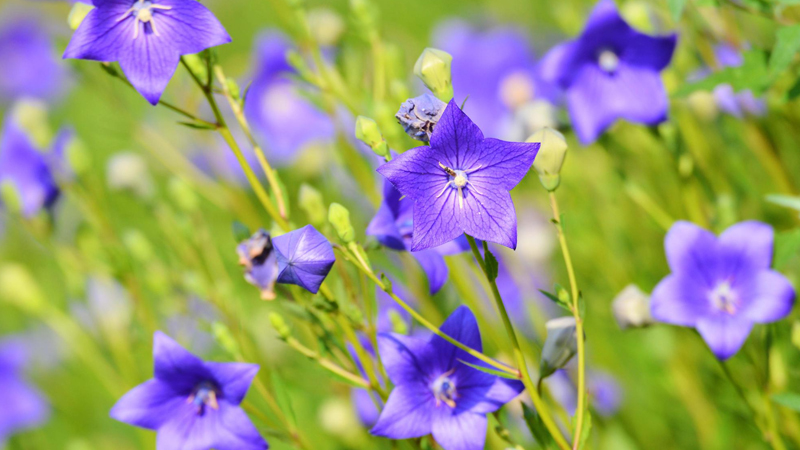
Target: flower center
[458,179]
[444,390]
[608,61]
[516,89]
[142,11]
[205,394]
[724,298]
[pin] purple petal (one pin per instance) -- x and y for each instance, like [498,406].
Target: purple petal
[176,366]
[305,258]
[149,63]
[770,297]
[149,405]
[383,227]
[650,52]
[750,241]
[679,300]
[724,334]
[480,392]
[227,428]
[101,35]
[461,326]
[415,173]
[437,220]
[233,379]
[407,414]
[365,407]
[456,140]
[558,65]
[435,268]
[503,163]
[691,250]
[189,27]
[464,431]
[727,101]
[405,358]
[490,216]
[23,406]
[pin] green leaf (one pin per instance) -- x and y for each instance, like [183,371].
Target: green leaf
[676,8]
[787,43]
[555,300]
[492,266]
[495,372]
[240,231]
[197,126]
[535,424]
[787,246]
[787,201]
[752,75]
[788,399]
[282,394]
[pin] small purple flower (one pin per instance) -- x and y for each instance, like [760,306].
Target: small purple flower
[260,261]
[721,286]
[611,72]
[459,184]
[604,391]
[435,392]
[304,258]
[737,104]
[281,116]
[192,404]
[147,37]
[23,405]
[31,172]
[419,115]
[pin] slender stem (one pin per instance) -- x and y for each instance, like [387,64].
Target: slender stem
[562,240]
[366,361]
[517,350]
[328,364]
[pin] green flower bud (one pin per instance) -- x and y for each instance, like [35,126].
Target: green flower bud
[127,171]
[138,246]
[550,159]
[183,195]
[339,217]
[225,339]
[326,26]
[31,116]
[368,132]
[366,17]
[19,288]
[197,65]
[77,14]
[78,157]
[10,197]
[311,202]
[280,325]
[233,88]
[559,347]
[433,68]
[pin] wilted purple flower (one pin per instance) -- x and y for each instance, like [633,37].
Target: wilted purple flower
[304,258]
[419,115]
[31,172]
[147,37]
[611,72]
[23,405]
[721,286]
[435,392]
[393,226]
[31,67]
[260,261]
[459,184]
[280,115]
[192,404]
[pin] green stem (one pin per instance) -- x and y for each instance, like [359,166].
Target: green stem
[327,364]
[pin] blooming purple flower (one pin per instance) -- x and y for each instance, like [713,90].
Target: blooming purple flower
[721,286]
[260,261]
[435,392]
[23,405]
[192,404]
[147,37]
[31,172]
[304,258]
[611,72]
[459,184]
[279,113]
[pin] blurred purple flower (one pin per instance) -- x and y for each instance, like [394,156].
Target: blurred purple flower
[419,116]
[495,67]
[605,393]
[459,184]
[260,261]
[611,72]
[31,67]
[721,286]
[23,405]
[192,326]
[146,37]
[304,258]
[737,104]
[192,404]
[389,312]
[282,118]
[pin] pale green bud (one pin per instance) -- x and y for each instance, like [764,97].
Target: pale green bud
[128,171]
[225,339]
[31,116]
[326,25]
[77,14]
[10,197]
[550,159]
[138,245]
[183,195]
[19,288]
[368,132]
[339,217]
[78,157]
[631,308]
[433,68]
[280,326]
[704,105]
[311,202]
[233,88]
[560,346]
[197,66]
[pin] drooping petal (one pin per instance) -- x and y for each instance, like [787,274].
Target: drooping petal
[503,163]
[679,300]
[691,250]
[457,140]
[770,297]
[407,414]
[190,27]
[749,243]
[461,326]
[435,268]
[149,405]
[464,431]
[149,61]
[725,334]
[489,215]
[305,258]
[233,379]
[175,366]
[405,358]
[226,428]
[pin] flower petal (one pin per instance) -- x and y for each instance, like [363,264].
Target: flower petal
[305,258]
[649,52]
[464,431]
[750,243]
[149,405]
[480,392]
[23,406]
[489,215]
[190,27]
[770,297]
[407,414]
[226,428]
[437,220]
[435,268]
[691,250]
[558,65]
[233,378]
[177,366]
[679,300]
[383,227]
[101,36]
[405,358]
[149,61]
[456,139]
[503,163]
[415,173]
[461,326]
[724,334]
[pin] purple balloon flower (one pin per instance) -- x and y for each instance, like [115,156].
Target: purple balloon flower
[737,104]
[23,405]
[192,404]
[304,258]
[611,72]
[260,262]
[279,113]
[147,37]
[459,184]
[721,286]
[31,172]
[435,392]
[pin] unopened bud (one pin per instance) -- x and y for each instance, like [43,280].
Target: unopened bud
[138,246]
[559,347]
[433,68]
[128,171]
[631,308]
[368,132]
[326,26]
[77,14]
[419,116]
[550,159]
[311,202]
[9,197]
[78,157]
[366,17]
[233,88]
[704,105]
[196,64]
[339,217]
[31,116]
[19,288]
[225,339]
[280,326]
[183,195]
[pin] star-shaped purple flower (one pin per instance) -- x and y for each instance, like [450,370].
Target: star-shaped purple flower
[435,392]
[304,258]
[193,404]
[147,37]
[459,184]
[23,405]
[721,286]
[611,72]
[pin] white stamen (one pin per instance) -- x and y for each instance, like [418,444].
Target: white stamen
[608,61]
[142,11]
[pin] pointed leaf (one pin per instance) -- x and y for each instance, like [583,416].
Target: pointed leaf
[497,373]
[787,43]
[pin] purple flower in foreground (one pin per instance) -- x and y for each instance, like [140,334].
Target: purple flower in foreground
[23,406]
[393,226]
[260,261]
[721,286]
[435,392]
[147,37]
[304,258]
[193,404]
[459,184]
[611,72]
